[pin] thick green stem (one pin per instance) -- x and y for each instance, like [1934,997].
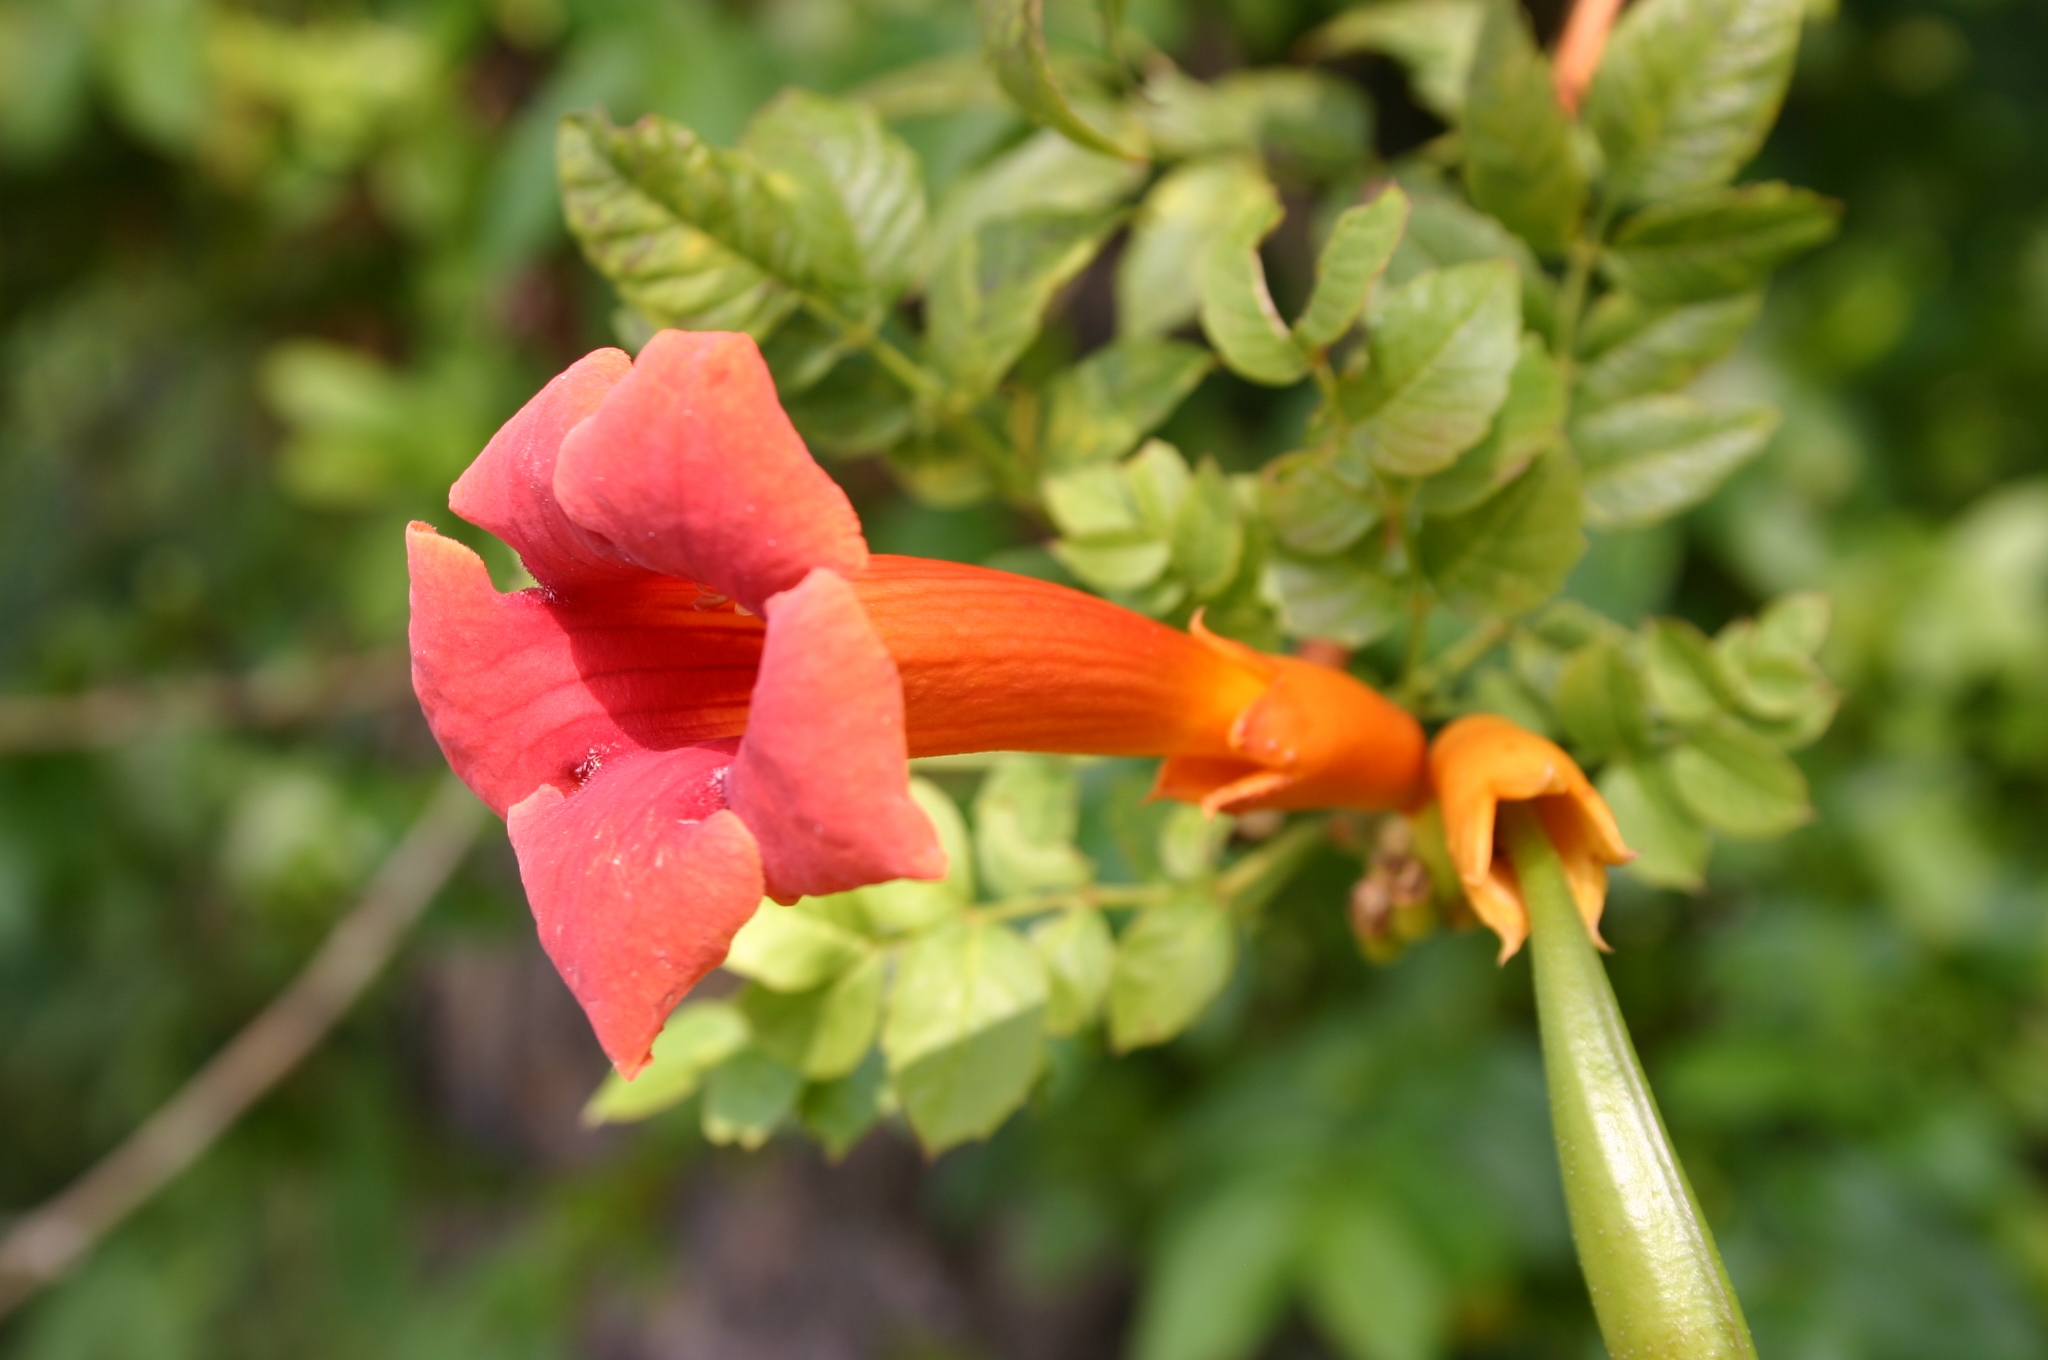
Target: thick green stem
[1657,1282]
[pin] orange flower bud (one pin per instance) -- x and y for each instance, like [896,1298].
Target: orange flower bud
[1482,761]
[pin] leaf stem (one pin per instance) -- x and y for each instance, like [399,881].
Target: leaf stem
[1096,895]
[1251,882]
[1578,282]
[1453,662]
[1245,885]
[921,381]
[1658,1285]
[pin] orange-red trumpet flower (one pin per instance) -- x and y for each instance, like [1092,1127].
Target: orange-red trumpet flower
[714,689]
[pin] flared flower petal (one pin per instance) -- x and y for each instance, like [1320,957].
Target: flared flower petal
[690,468]
[638,882]
[1479,762]
[509,489]
[822,778]
[522,689]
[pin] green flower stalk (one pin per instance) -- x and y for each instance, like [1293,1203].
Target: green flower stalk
[1658,1285]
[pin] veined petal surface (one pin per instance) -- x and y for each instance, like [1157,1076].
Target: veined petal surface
[638,881]
[689,467]
[823,777]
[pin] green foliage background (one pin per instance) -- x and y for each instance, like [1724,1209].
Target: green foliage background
[269,275]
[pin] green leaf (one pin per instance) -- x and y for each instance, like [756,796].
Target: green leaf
[942,469]
[1434,39]
[855,408]
[1092,501]
[1238,314]
[1443,230]
[954,83]
[790,950]
[1687,90]
[1719,242]
[1312,123]
[987,299]
[1442,346]
[1369,1283]
[1099,409]
[690,235]
[1312,509]
[1647,459]
[822,1033]
[1639,352]
[1044,173]
[1738,783]
[1495,689]
[1671,846]
[863,191]
[1316,120]
[1170,964]
[1026,814]
[1159,480]
[1600,701]
[951,827]
[1013,37]
[1078,954]
[698,1037]
[1116,565]
[1514,551]
[1796,623]
[1521,155]
[1348,599]
[1687,678]
[838,1113]
[1773,683]
[905,906]
[1186,117]
[1159,274]
[1189,842]
[1529,424]
[1208,537]
[1360,245]
[1221,1277]
[746,1097]
[964,1035]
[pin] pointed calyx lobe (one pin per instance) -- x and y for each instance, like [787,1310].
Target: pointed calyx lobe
[1482,761]
[1312,737]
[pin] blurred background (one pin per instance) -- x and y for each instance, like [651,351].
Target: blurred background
[271,272]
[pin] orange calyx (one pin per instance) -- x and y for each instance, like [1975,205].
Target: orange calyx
[1313,737]
[1479,762]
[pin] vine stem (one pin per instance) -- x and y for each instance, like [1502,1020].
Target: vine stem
[42,1245]
[1244,885]
[906,370]
[1453,662]
[342,686]
[1658,1285]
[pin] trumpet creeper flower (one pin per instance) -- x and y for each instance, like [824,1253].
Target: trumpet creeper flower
[713,690]
[1481,761]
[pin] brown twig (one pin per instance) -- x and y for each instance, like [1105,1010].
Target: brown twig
[1578,51]
[41,1245]
[274,697]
